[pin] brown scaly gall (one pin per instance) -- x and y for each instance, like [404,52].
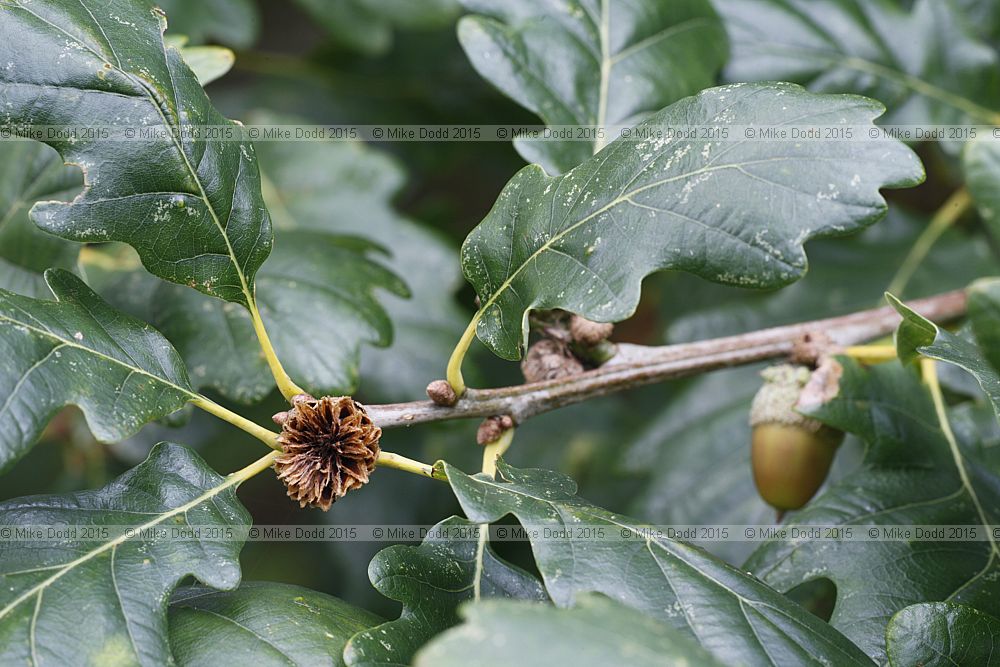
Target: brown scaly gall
[329,447]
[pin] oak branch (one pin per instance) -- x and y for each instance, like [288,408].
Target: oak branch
[637,365]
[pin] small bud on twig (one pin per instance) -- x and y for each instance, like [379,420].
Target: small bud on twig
[492,428]
[810,348]
[442,393]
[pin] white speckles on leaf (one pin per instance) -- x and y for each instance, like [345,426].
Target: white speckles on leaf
[831,194]
[121,44]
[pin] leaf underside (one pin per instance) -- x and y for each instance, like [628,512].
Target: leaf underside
[231,22]
[922,62]
[367,26]
[981,163]
[30,171]
[336,188]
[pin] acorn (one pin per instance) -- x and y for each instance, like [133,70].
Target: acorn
[791,453]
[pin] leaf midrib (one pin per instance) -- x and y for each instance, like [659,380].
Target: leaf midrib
[68,343]
[228,482]
[253,633]
[479,569]
[577,504]
[604,515]
[621,198]
[154,102]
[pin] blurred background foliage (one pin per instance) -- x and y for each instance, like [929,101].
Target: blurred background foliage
[673,453]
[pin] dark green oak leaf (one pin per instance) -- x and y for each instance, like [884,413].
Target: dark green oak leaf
[735,212]
[735,617]
[30,172]
[943,634]
[595,632]
[911,474]
[592,63]
[262,623]
[78,350]
[191,207]
[923,62]
[431,580]
[95,601]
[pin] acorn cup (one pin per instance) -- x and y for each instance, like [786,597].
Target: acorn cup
[791,453]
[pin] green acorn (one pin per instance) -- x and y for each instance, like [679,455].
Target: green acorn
[791,453]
